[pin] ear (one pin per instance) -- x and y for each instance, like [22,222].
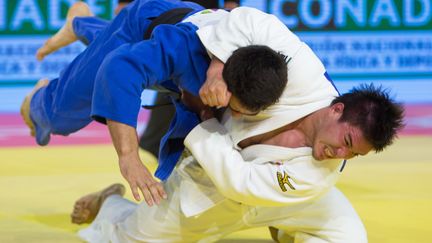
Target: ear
[338,108]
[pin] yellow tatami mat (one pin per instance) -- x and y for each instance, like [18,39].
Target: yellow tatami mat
[391,191]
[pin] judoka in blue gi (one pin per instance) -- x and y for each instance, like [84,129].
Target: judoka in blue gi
[106,80]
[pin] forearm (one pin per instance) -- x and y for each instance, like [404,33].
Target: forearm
[125,141]
[124,138]
[215,69]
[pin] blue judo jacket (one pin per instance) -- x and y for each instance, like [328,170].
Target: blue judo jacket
[174,54]
[106,80]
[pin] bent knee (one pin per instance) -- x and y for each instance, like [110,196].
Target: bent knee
[349,231]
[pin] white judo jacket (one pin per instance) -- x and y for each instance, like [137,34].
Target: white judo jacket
[261,175]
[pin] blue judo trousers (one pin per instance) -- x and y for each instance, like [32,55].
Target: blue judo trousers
[106,80]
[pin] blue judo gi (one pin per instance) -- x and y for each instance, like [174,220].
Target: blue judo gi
[106,80]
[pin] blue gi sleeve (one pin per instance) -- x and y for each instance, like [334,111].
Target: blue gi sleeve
[173,53]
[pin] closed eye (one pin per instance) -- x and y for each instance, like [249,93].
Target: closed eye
[349,141]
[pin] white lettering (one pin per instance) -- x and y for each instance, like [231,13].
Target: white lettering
[322,19]
[27,11]
[356,13]
[425,15]
[54,13]
[277,9]
[356,9]
[384,9]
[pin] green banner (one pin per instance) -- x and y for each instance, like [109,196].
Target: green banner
[349,15]
[42,17]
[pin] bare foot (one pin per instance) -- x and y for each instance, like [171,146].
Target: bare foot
[25,106]
[87,207]
[65,35]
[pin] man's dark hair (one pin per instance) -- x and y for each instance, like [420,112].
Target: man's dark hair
[372,110]
[256,76]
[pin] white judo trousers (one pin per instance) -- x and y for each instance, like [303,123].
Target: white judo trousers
[330,218]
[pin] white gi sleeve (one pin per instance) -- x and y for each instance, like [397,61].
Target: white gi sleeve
[264,184]
[245,26]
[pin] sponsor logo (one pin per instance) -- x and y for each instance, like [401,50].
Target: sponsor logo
[284,180]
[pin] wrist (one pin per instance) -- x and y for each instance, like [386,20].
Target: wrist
[215,68]
[128,157]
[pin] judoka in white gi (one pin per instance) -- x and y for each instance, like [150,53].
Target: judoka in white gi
[285,181]
[219,190]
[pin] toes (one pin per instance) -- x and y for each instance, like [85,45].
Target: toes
[39,55]
[78,207]
[42,52]
[80,216]
[87,207]
[81,204]
[76,217]
[82,210]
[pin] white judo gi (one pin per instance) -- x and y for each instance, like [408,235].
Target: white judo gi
[240,190]
[219,189]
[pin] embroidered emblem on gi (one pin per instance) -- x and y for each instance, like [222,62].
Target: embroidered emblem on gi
[284,180]
[206,11]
